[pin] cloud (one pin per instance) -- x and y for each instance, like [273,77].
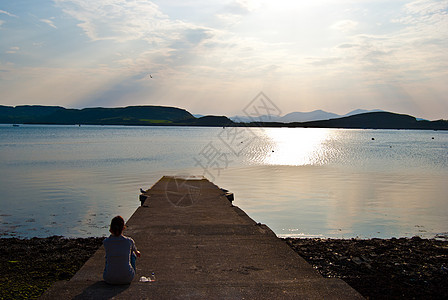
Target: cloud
[427,7]
[156,40]
[425,14]
[319,61]
[237,8]
[197,35]
[234,12]
[343,46]
[403,61]
[49,22]
[118,20]
[7,13]
[345,25]
[13,50]
[414,51]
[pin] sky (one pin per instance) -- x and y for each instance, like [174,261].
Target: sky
[215,57]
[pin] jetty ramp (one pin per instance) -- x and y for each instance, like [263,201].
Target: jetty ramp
[200,246]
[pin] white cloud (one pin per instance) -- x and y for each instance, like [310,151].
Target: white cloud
[423,12]
[48,22]
[238,8]
[326,61]
[118,20]
[427,7]
[169,43]
[13,50]
[235,11]
[415,50]
[7,13]
[345,25]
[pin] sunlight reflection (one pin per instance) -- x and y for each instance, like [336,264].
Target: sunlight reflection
[295,146]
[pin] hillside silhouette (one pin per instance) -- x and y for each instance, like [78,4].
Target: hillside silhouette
[370,120]
[172,116]
[131,115]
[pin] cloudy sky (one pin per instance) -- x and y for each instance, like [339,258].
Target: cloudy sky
[214,57]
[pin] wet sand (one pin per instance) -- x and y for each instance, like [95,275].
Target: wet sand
[377,268]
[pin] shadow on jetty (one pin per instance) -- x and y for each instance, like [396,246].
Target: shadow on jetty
[101,290]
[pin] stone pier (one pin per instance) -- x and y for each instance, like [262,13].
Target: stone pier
[200,246]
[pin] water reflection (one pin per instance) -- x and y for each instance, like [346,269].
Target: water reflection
[336,202]
[305,182]
[294,146]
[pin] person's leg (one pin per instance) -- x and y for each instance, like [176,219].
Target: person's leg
[133,259]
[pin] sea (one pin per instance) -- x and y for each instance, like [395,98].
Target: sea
[301,182]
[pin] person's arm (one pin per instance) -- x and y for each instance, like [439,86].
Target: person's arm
[134,249]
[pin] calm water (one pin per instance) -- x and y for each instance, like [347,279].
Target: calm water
[70,180]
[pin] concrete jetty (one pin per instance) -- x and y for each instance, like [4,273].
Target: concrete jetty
[200,246]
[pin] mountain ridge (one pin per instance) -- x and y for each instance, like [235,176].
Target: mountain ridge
[130,115]
[370,120]
[314,115]
[151,115]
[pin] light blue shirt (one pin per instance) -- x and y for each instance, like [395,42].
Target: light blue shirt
[118,269]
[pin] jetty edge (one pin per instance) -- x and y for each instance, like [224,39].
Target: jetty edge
[200,246]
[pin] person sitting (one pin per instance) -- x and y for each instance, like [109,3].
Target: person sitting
[121,254]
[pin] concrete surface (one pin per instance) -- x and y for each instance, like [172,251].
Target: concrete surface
[201,247]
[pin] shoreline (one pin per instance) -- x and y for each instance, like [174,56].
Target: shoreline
[250,125]
[377,268]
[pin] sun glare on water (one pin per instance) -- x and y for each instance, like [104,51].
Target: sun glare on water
[295,146]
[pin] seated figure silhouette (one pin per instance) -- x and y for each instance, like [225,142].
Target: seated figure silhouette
[121,254]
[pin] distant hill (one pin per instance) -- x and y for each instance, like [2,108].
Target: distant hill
[26,113]
[172,116]
[371,120]
[299,116]
[360,111]
[307,116]
[209,121]
[131,115]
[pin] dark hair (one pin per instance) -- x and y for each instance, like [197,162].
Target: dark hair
[117,225]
